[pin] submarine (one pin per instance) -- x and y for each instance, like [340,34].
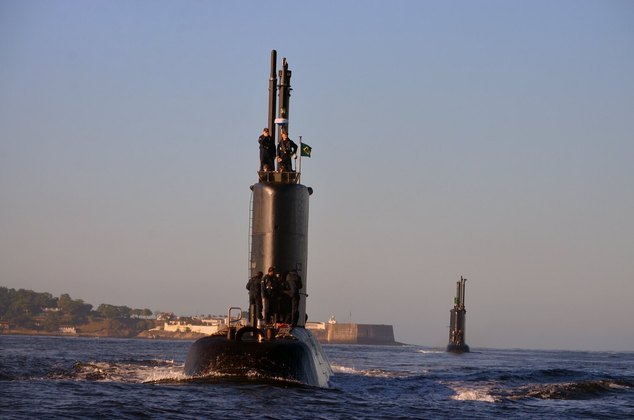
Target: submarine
[270,349]
[457,321]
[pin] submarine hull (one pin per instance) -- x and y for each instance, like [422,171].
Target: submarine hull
[295,357]
[458,348]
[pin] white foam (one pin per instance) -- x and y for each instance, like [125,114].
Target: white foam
[482,393]
[343,369]
[377,373]
[429,351]
[163,370]
[165,374]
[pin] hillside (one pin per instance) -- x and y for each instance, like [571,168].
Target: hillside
[28,312]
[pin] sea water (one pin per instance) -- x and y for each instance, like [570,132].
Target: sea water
[73,377]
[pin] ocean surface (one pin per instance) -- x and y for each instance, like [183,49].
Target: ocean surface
[70,377]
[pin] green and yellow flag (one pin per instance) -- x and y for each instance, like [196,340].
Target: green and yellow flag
[306,150]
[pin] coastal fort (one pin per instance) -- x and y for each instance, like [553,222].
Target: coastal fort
[351,333]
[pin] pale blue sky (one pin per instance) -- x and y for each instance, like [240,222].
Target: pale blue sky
[489,139]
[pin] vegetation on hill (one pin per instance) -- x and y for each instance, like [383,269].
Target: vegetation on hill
[26,309]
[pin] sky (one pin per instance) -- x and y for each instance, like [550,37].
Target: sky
[487,139]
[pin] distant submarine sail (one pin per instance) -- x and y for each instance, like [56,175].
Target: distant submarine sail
[279,238]
[457,321]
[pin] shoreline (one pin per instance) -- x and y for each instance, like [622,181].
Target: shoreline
[145,335]
[158,335]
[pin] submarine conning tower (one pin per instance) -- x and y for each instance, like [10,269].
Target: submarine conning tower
[279,229]
[457,321]
[279,202]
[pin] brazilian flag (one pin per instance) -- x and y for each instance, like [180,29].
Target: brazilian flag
[306,150]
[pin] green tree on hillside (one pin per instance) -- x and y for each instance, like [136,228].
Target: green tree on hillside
[108,311]
[20,306]
[51,321]
[138,313]
[76,311]
[32,310]
[112,311]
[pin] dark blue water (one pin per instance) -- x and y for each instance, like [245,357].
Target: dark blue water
[48,377]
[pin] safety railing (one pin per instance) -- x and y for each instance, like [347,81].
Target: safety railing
[279,177]
[231,331]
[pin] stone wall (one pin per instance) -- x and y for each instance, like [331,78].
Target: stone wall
[343,333]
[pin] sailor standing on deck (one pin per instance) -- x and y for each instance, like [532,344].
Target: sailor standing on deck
[270,288]
[254,286]
[267,151]
[294,284]
[286,149]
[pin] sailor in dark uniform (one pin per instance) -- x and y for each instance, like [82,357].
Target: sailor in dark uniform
[267,151]
[286,149]
[270,290]
[294,285]
[254,287]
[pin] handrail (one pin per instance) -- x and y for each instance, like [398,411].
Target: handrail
[229,319]
[251,264]
[279,177]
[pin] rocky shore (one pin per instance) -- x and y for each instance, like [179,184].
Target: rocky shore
[114,328]
[148,334]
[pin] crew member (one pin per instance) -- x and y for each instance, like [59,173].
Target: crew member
[270,289]
[294,284]
[254,286]
[286,149]
[267,150]
[284,301]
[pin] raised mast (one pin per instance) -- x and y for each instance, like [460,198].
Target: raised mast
[285,95]
[272,92]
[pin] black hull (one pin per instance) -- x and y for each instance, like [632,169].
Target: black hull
[296,357]
[458,348]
